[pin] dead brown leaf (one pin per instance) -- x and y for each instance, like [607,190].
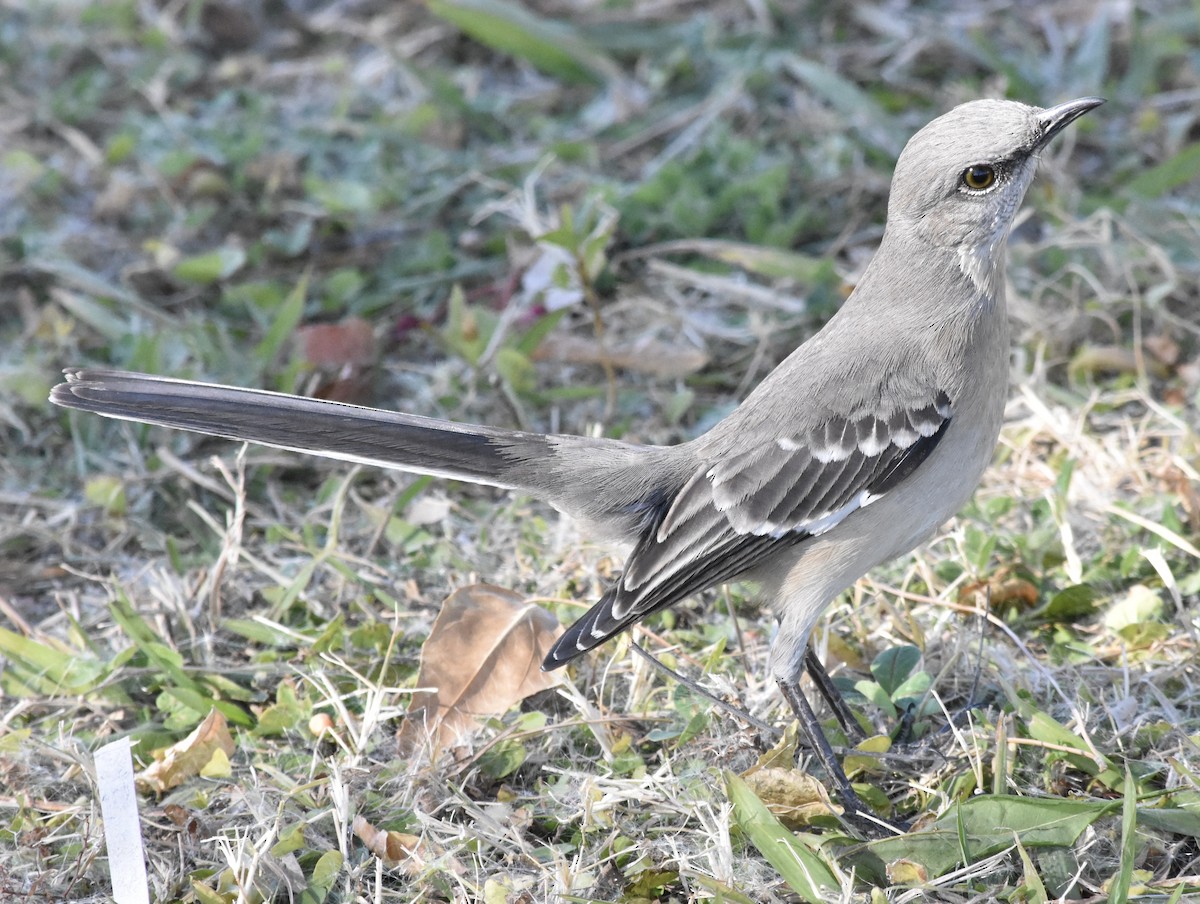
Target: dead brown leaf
[187,821]
[483,655]
[393,848]
[341,356]
[1000,590]
[333,346]
[185,759]
[795,797]
[907,872]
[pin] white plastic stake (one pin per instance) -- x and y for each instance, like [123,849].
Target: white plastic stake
[122,825]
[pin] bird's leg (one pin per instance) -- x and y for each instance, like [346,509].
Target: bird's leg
[856,814]
[832,696]
[812,728]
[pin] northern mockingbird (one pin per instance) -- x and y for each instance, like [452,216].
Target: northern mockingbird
[852,451]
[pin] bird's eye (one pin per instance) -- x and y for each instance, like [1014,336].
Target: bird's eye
[979,177]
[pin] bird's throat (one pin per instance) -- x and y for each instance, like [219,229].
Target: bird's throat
[983,265]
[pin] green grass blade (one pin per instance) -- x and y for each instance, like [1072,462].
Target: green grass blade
[554,47]
[1170,174]
[283,325]
[1118,893]
[805,870]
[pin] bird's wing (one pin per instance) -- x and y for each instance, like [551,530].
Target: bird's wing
[740,508]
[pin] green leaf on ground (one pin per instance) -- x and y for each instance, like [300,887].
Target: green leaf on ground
[984,825]
[894,665]
[48,670]
[210,267]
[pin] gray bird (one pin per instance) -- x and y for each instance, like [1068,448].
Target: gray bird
[852,451]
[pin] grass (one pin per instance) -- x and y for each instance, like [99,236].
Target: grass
[189,191]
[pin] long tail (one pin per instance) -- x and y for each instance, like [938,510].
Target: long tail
[332,429]
[618,489]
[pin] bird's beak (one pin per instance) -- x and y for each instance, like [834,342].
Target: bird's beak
[1055,119]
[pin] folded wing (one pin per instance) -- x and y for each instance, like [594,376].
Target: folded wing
[739,509]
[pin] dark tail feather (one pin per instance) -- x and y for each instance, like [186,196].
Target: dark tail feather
[331,429]
[579,636]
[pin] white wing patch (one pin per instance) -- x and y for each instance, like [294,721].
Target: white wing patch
[821,523]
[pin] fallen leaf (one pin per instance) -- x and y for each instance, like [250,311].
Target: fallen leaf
[189,757]
[342,355]
[865,756]
[354,387]
[186,820]
[981,826]
[483,655]
[210,267]
[333,346]
[276,171]
[1000,591]
[218,765]
[1139,604]
[806,869]
[794,797]
[393,848]
[838,650]
[782,755]
[906,872]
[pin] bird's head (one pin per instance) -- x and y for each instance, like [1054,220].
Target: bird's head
[959,181]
